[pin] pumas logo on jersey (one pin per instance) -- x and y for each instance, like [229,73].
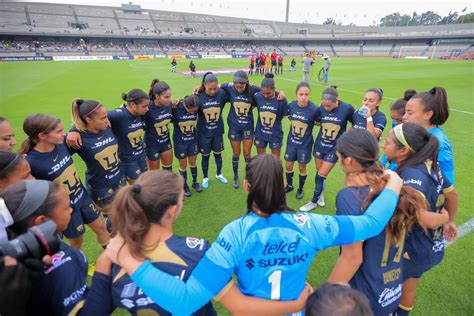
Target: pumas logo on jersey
[439,245]
[192,242]
[390,295]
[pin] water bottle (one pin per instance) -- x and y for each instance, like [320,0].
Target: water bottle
[363,110]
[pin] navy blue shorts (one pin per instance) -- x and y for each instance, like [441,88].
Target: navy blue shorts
[303,156]
[206,144]
[102,198]
[134,169]
[240,135]
[263,144]
[328,155]
[80,216]
[182,151]
[154,151]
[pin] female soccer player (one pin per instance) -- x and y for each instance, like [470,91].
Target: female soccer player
[13,168]
[251,65]
[128,126]
[280,65]
[270,249]
[153,204]
[185,139]
[210,126]
[99,150]
[293,65]
[303,115]
[267,63]
[416,153]
[270,113]
[373,120]
[240,119]
[61,287]
[375,267]
[50,159]
[7,136]
[157,121]
[397,111]
[430,109]
[333,117]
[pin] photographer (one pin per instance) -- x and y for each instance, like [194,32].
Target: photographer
[60,288]
[307,64]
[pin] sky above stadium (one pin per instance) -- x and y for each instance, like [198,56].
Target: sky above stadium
[359,12]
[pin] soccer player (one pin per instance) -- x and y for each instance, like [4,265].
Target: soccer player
[293,65]
[397,111]
[267,63]
[240,119]
[430,109]
[185,139]
[416,153]
[60,288]
[262,59]
[50,159]
[270,249]
[99,150]
[333,117]
[375,267]
[210,126]
[7,136]
[157,121]
[174,63]
[154,202]
[128,127]
[270,113]
[13,168]
[303,115]
[280,65]
[252,65]
[273,58]
[192,69]
[369,117]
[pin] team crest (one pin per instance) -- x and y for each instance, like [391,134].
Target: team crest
[300,219]
[193,242]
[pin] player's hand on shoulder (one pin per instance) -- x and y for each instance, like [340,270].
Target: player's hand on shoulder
[394,182]
[74,140]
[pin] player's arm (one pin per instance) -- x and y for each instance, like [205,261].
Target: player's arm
[348,263]
[451,205]
[239,304]
[73,138]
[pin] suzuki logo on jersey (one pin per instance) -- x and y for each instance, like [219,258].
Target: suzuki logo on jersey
[250,264]
[388,296]
[192,242]
[281,247]
[223,243]
[212,115]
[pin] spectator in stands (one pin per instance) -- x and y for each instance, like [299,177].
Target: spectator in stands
[337,299]
[327,66]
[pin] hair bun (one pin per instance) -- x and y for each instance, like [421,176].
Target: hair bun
[269,75]
[124,96]
[410,93]
[433,91]
[136,188]
[334,87]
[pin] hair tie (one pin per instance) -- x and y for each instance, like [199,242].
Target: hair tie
[433,91]
[136,188]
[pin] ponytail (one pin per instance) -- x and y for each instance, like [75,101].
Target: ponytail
[268,82]
[157,87]
[80,109]
[135,96]
[145,202]
[436,101]
[399,105]
[33,126]
[207,78]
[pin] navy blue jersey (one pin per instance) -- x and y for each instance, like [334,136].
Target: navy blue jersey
[184,124]
[379,120]
[177,256]
[157,121]
[270,113]
[61,289]
[379,277]
[426,249]
[57,166]
[210,122]
[100,153]
[333,125]
[240,113]
[302,122]
[129,130]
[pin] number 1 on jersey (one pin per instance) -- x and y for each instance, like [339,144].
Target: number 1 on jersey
[275,280]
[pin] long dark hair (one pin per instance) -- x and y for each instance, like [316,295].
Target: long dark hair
[399,105]
[264,174]
[361,146]
[207,78]
[33,126]
[145,202]
[435,100]
[157,87]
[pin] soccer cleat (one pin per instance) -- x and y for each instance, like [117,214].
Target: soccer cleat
[187,193]
[299,194]
[221,179]
[308,207]
[197,187]
[205,183]
[288,188]
[235,184]
[321,200]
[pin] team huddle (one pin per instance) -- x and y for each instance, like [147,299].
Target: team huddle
[392,217]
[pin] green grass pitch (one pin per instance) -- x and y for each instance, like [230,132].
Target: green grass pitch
[49,87]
